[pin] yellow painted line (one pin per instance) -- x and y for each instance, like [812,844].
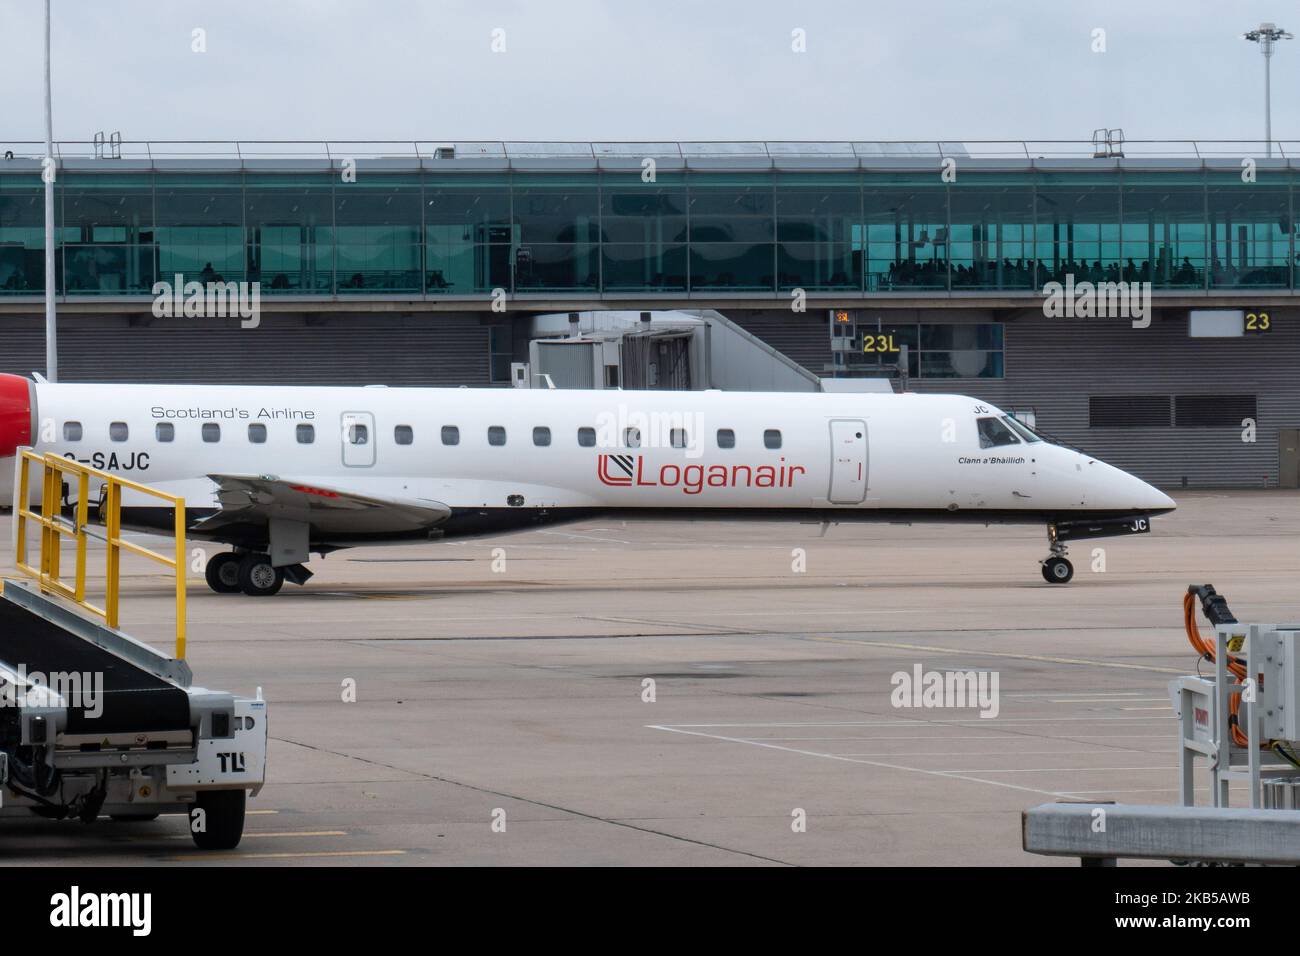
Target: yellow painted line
[288,833]
[973,652]
[284,856]
[250,813]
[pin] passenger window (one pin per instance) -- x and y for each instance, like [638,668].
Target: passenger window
[403,434]
[164,431]
[450,435]
[117,431]
[994,434]
[496,435]
[772,438]
[726,438]
[72,431]
[587,437]
[358,434]
[632,437]
[306,434]
[677,437]
[257,433]
[211,432]
[541,436]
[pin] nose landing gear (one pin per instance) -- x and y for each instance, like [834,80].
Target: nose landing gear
[1057,568]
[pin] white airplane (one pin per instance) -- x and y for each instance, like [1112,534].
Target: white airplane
[282,472]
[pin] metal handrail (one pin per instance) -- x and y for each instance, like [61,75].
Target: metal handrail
[241,150]
[54,526]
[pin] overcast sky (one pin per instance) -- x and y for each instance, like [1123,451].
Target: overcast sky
[667,69]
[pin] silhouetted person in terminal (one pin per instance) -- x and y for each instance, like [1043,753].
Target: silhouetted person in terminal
[208,274]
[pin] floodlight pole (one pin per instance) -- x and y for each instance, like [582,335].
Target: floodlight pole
[47,173]
[1266,34]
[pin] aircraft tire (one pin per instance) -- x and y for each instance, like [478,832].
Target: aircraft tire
[1058,570]
[257,577]
[222,572]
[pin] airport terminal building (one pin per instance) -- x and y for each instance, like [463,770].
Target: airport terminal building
[438,263]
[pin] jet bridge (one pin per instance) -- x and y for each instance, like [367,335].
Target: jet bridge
[92,721]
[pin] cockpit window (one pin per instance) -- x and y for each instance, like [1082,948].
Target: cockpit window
[993,433]
[1021,429]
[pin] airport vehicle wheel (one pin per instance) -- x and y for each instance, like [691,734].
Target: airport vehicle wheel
[223,819]
[222,572]
[257,578]
[133,817]
[1057,570]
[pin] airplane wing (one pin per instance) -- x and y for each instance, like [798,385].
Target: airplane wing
[260,498]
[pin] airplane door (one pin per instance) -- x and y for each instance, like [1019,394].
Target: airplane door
[358,434]
[848,462]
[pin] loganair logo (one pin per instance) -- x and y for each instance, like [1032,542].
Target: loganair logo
[628,471]
[616,469]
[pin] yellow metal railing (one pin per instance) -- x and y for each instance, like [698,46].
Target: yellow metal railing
[53,469]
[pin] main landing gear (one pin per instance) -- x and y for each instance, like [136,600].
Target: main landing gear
[251,573]
[1057,568]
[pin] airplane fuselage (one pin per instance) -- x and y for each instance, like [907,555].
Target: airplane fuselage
[503,459]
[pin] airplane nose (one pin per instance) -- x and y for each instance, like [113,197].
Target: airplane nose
[1131,493]
[15,414]
[1158,500]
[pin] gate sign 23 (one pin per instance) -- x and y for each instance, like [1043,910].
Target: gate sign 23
[1257,322]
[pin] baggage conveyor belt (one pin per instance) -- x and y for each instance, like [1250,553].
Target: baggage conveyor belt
[133,698]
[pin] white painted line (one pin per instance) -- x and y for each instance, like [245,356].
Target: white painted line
[1084,793]
[870,763]
[1113,736]
[991,753]
[921,722]
[1066,693]
[1014,738]
[586,537]
[1064,769]
[1109,700]
[975,652]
